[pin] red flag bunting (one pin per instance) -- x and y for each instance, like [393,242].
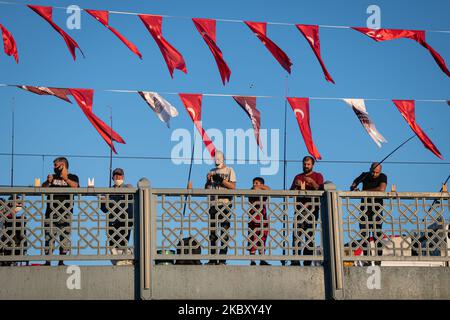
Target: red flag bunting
[9,44]
[300,106]
[193,105]
[103,17]
[416,35]
[56,92]
[249,106]
[311,34]
[260,30]
[84,99]
[173,58]
[46,13]
[207,29]
[407,109]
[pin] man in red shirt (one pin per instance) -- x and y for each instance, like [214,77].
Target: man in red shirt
[307,211]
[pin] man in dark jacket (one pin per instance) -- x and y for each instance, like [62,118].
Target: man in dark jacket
[120,218]
[371,211]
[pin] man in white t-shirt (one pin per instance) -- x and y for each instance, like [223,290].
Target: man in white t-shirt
[220,177]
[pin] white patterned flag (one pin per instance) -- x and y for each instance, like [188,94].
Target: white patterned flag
[163,109]
[359,108]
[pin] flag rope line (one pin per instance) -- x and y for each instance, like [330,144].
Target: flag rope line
[256,96]
[230,159]
[217,19]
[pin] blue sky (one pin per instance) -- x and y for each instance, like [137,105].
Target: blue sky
[362,68]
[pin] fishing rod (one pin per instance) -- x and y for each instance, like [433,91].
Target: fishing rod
[354,186]
[189,175]
[283,262]
[442,189]
[110,149]
[12,142]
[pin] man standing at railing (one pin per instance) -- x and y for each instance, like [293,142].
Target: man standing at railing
[13,240]
[371,211]
[220,178]
[120,218]
[306,213]
[58,215]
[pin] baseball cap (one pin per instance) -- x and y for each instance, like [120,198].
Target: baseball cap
[118,171]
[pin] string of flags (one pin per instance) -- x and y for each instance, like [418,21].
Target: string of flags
[193,105]
[207,29]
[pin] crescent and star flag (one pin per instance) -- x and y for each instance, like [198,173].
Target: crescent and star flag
[207,29]
[416,35]
[84,99]
[103,17]
[163,109]
[46,14]
[173,58]
[193,105]
[260,30]
[359,108]
[300,106]
[311,34]
[407,109]
[9,45]
[248,104]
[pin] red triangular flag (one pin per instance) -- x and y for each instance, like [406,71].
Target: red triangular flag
[193,105]
[311,34]
[407,109]
[9,45]
[46,13]
[300,106]
[207,29]
[260,30]
[84,99]
[173,58]
[56,92]
[416,35]
[103,17]
[249,106]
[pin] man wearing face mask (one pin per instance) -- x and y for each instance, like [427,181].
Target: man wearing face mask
[307,214]
[372,213]
[58,215]
[120,218]
[14,230]
[223,178]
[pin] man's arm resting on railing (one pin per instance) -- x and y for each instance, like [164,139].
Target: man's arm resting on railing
[229,184]
[381,188]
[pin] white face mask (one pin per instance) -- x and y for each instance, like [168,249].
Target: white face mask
[118,182]
[219,159]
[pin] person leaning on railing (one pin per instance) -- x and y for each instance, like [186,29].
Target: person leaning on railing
[223,178]
[13,232]
[58,215]
[258,226]
[306,211]
[371,211]
[120,218]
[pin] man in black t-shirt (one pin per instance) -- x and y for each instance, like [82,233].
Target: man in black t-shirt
[58,215]
[371,211]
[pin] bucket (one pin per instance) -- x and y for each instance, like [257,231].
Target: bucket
[165,262]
